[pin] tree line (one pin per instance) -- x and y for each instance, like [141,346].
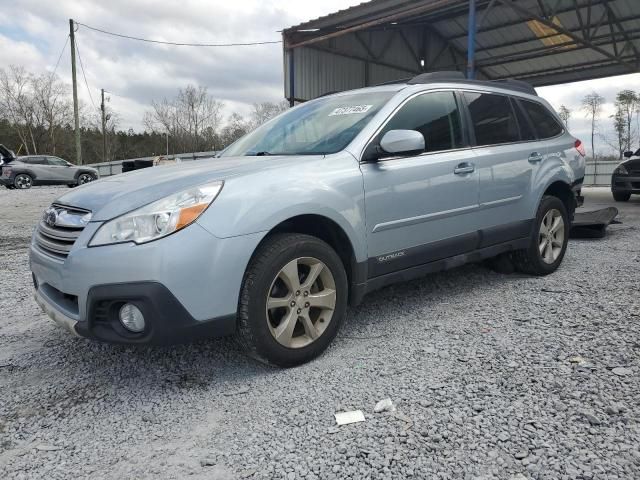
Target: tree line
[36,117]
[625,121]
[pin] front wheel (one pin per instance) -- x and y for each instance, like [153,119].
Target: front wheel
[23,181]
[293,300]
[549,239]
[621,196]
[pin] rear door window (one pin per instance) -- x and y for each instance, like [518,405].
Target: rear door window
[56,161]
[543,120]
[493,119]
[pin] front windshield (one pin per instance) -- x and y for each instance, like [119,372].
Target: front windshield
[323,126]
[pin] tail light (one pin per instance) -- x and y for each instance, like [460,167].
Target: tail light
[580,148]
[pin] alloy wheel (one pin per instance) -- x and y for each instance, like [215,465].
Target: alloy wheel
[551,237]
[84,178]
[23,182]
[301,302]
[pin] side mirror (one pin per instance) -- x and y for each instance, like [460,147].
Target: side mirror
[628,154]
[402,141]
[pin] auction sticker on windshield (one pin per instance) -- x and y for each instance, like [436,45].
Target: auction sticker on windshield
[350,110]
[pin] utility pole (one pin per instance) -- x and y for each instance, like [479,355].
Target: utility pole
[471,41]
[104,129]
[76,118]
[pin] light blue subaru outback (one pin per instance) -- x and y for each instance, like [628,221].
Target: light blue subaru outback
[328,201]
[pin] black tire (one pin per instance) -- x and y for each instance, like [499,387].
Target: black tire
[253,331]
[22,181]
[82,178]
[621,196]
[530,260]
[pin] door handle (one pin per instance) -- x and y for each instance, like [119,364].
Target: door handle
[535,157]
[464,168]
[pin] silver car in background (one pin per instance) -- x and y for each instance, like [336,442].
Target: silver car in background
[27,171]
[321,205]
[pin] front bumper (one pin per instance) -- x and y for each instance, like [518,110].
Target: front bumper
[167,321]
[186,284]
[625,184]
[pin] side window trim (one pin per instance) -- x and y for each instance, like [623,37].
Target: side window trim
[515,107]
[465,141]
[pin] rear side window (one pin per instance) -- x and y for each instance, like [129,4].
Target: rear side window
[56,161]
[545,123]
[435,115]
[493,118]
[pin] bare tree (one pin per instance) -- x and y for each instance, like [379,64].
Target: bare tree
[565,115]
[626,104]
[52,107]
[17,104]
[264,111]
[37,107]
[235,128]
[189,119]
[592,107]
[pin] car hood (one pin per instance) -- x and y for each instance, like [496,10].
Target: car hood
[116,195]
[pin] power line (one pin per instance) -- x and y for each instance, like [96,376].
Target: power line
[61,52]
[180,44]
[84,76]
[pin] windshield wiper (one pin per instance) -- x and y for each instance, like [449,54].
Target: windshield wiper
[257,154]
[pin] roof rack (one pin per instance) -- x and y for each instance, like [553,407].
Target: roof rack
[509,83]
[436,77]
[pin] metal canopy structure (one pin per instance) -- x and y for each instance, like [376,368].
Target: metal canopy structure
[543,42]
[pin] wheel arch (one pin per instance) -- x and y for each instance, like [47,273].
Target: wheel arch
[333,234]
[563,191]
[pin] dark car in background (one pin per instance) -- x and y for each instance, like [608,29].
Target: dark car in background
[27,171]
[625,180]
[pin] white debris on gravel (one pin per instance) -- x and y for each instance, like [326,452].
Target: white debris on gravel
[477,360]
[385,405]
[346,418]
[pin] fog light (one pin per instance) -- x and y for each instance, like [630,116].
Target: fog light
[131,318]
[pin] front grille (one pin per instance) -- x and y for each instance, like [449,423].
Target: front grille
[59,229]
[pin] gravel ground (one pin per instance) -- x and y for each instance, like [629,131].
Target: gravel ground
[493,376]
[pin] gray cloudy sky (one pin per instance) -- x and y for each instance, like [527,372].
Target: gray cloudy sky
[32,33]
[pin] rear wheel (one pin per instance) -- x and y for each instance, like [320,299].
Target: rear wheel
[549,239]
[621,196]
[293,300]
[85,178]
[23,181]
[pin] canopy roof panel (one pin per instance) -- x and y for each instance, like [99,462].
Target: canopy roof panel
[544,42]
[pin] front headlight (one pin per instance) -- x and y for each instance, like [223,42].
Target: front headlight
[621,170]
[158,219]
